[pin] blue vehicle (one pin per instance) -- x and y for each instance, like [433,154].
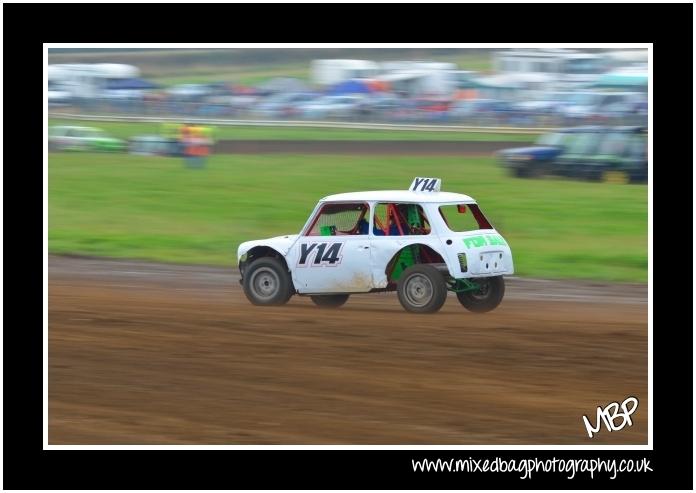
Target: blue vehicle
[612,154]
[537,160]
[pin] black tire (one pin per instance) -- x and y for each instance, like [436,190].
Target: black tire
[487,298]
[421,289]
[267,282]
[330,300]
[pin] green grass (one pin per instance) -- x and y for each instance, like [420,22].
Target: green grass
[126,130]
[154,208]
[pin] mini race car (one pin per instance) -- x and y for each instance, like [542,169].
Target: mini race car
[420,243]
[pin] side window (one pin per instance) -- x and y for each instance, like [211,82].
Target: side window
[637,147]
[341,220]
[583,143]
[464,217]
[614,144]
[393,219]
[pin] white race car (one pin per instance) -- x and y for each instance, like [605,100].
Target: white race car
[420,243]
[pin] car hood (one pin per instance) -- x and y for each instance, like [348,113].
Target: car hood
[281,244]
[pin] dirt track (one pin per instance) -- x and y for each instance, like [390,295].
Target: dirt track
[160,354]
[376,147]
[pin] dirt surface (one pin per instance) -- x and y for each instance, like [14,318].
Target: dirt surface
[377,147]
[144,353]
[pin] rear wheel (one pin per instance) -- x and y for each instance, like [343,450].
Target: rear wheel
[421,289]
[330,300]
[267,282]
[486,298]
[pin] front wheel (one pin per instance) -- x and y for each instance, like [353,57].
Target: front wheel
[267,282]
[421,289]
[486,298]
[330,300]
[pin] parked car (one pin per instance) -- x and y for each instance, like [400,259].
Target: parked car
[72,138]
[479,109]
[340,106]
[190,92]
[283,104]
[585,105]
[419,242]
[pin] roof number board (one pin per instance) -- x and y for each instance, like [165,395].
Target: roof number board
[425,185]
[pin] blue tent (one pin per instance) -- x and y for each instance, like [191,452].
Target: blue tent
[352,86]
[116,84]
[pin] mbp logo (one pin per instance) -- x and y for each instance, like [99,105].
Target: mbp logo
[610,414]
[319,254]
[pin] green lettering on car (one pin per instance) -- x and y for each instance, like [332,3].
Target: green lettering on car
[496,240]
[475,241]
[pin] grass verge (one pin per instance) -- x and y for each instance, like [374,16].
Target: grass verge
[154,208]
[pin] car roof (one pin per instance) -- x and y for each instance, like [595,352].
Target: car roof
[399,196]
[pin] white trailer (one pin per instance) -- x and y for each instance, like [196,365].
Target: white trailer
[328,72]
[565,68]
[88,80]
[420,78]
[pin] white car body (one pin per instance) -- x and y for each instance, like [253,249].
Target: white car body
[358,263]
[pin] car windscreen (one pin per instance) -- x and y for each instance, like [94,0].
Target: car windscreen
[554,139]
[583,143]
[614,144]
[460,218]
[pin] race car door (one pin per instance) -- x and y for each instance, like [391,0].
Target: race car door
[333,254]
